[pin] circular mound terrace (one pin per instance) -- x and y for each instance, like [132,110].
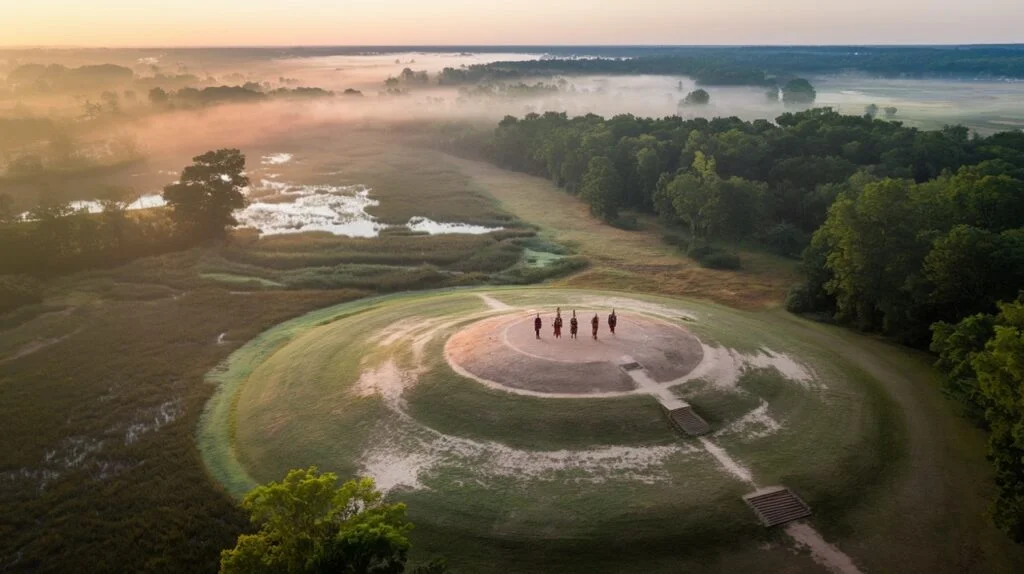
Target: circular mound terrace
[452,405]
[505,350]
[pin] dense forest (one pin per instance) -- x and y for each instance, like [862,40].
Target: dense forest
[760,65]
[916,235]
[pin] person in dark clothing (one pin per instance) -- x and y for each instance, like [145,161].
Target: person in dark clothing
[612,321]
[537,325]
[594,324]
[574,326]
[558,325]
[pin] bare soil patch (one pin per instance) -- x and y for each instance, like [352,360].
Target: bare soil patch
[505,350]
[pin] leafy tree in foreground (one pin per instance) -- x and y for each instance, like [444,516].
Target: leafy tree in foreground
[1000,371]
[307,524]
[209,191]
[983,359]
[956,346]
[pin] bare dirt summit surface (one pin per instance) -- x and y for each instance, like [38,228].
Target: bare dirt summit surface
[505,350]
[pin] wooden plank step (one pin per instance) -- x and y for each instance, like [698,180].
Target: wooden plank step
[688,421]
[777,505]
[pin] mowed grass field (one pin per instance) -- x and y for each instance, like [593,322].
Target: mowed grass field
[845,448]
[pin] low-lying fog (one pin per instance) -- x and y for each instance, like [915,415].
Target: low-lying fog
[167,138]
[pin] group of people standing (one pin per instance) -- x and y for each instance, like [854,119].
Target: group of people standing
[574,324]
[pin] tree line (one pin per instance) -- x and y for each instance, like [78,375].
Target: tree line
[916,235]
[194,97]
[757,65]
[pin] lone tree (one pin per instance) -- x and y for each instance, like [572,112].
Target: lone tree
[798,91]
[698,97]
[890,111]
[209,191]
[307,524]
[871,110]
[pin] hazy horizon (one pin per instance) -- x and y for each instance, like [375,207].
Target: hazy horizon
[264,23]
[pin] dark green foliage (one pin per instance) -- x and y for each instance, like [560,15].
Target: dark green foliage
[754,175]
[602,188]
[951,247]
[720,260]
[956,346]
[698,97]
[676,240]
[799,91]
[209,191]
[309,525]
[799,299]
[983,358]
[785,239]
[711,66]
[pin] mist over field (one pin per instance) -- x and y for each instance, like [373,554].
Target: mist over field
[222,266]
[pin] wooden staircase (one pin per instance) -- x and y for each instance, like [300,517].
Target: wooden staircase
[777,505]
[687,421]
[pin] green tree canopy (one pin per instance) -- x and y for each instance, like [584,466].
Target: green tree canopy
[307,524]
[1000,371]
[698,97]
[602,188]
[799,91]
[209,191]
[710,205]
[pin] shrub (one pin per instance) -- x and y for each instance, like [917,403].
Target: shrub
[720,260]
[627,222]
[798,300]
[522,274]
[699,252]
[676,240]
[542,245]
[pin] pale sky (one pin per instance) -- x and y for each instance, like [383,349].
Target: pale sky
[454,22]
